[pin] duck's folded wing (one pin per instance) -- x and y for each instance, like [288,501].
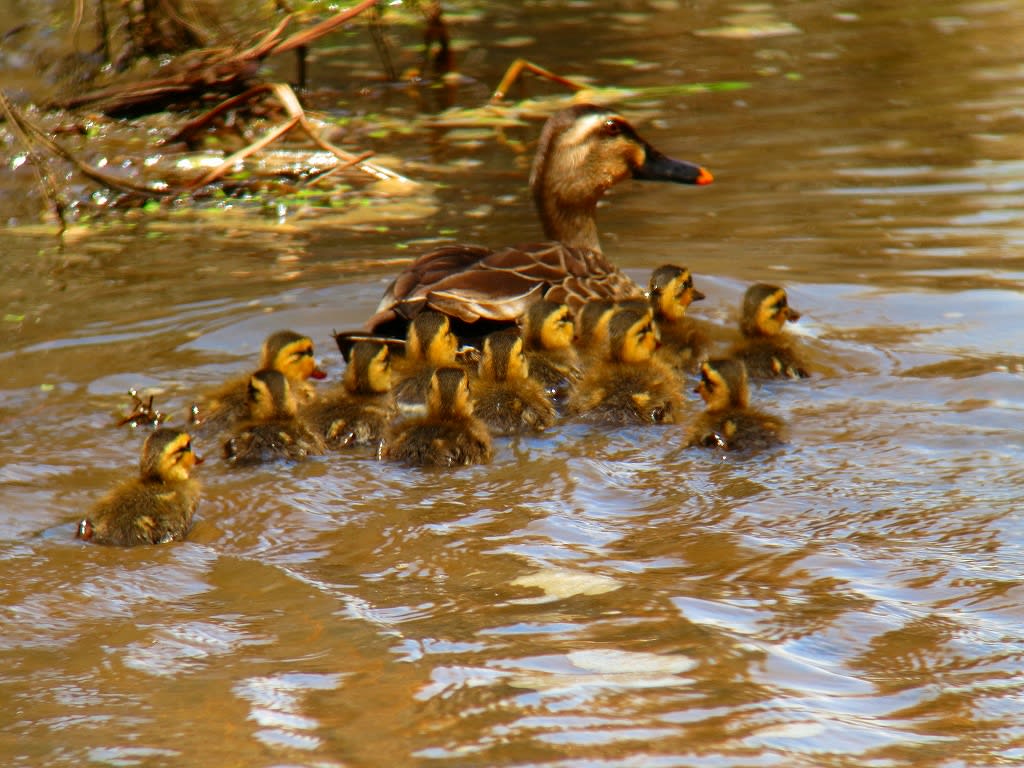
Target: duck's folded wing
[472,283]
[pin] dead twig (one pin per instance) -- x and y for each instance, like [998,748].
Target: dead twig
[518,67]
[143,412]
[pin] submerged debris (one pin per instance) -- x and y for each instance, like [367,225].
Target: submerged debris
[143,413]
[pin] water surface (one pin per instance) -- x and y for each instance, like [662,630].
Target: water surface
[594,597]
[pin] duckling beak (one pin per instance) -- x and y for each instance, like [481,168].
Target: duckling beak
[659,167]
[698,295]
[318,373]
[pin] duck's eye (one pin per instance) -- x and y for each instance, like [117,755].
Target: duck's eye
[613,127]
[688,283]
[706,380]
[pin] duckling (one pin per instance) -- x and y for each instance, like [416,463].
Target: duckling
[359,414]
[274,430]
[449,435]
[765,348]
[592,326]
[290,353]
[506,398]
[429,345]
[548,331]
[670,292]
[155,507]
[728,421]
[630,386]
[583,151]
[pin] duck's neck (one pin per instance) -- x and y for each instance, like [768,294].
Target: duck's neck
[570,223]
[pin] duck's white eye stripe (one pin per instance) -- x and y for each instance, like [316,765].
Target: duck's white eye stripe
[583,128]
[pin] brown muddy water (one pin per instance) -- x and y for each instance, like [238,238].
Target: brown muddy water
[594,597]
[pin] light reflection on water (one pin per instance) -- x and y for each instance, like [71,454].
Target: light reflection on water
[594,597]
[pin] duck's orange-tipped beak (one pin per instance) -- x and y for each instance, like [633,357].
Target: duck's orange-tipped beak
[318,373]
[659,167]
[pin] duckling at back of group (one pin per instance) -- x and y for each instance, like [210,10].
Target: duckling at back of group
[363,407]
[629,386]
[274,430]
[155,507]
[728,421]
[430,345]
[767,351]
[549,331]
[683,341]
[449,435]
[505,397]
[288,352]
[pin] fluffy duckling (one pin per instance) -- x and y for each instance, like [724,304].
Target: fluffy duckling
[506,398]
[449,435]
[728,421]
[430,344]
[290,353]
[548,332]
[670,292]
[630,386]
[273,430]
[592,326]
[155,507]
[360,413]
[765,348]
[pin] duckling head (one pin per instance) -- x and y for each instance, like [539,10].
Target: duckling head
[504,358]
[269,396]
[723,385]
[766,310]
[291,353]
[549,325]
[431,339]
[592,322]
[632,337]
[449,393]
[584,150]
[671,291]
[167,455]
[369,368]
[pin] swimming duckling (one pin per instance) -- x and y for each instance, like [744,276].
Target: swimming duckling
[290,353]
[429,345]
[360,413]
[630,386]
[548,331]
[273,430]
[592,326]
[155,507]
[728,421]
[671,291]
[449,435]
[505,397]
[765,349]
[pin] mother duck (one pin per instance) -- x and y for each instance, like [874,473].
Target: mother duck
[584,150]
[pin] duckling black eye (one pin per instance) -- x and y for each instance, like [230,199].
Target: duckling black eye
[688,283]
[706,381]
[613,127]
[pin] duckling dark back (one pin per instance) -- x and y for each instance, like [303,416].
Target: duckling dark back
[369,368]
[632,337]
[503,357]
[269,396]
